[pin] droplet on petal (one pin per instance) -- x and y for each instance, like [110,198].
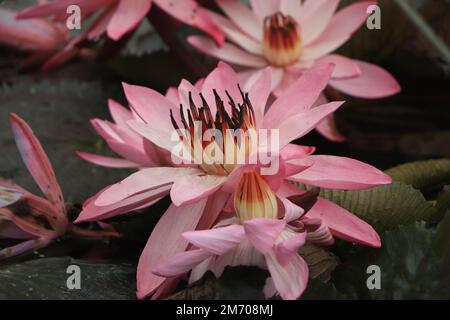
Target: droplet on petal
[282,41]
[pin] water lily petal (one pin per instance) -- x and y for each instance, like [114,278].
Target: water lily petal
[262,232]
[373,83]
[344,224]
[227,52]
[164,242]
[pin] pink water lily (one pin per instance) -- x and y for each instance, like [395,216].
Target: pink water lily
[25,216]
[200,192]
[135,151]
[119,17]
[293,36]
[41,38]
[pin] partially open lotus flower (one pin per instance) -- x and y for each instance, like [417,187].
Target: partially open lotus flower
[25,216]
[207,185]
[293,36]
[119,17]
[39,37]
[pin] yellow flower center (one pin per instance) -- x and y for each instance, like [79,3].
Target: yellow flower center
[254,198]
[282,41]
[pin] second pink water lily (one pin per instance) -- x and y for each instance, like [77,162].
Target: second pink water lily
[201,192]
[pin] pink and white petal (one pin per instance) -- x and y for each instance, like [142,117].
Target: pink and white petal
[294,151]
[106,130]
[172,96]
[99,26]
[327,128]
[143,180]
[259,93]
[151,106]
[335,172]
[184,89]
[108,162]
[190,189]
[266,8]
[290,211]
[287,249]
[92,212]
[243,17]
[200,269]
[339,30]
[9,196]
[131,153]
[287,189]
[344,224]
[290,280]
[299,125]
[181,263]
[166,288]
[317,232]
[292,8]
[373,83]
[24,247]
[226,52]
[235,35]
[248,77]
[317,19]
[244,254]
[127,16]
[58,9]
[189,12]
[217,241]
[300,96]
[344,67]
[263,233]
[164,242]
[214,207]
[37,162]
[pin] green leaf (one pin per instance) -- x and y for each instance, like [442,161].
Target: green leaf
[384,207]
[422,174]
[45,279]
